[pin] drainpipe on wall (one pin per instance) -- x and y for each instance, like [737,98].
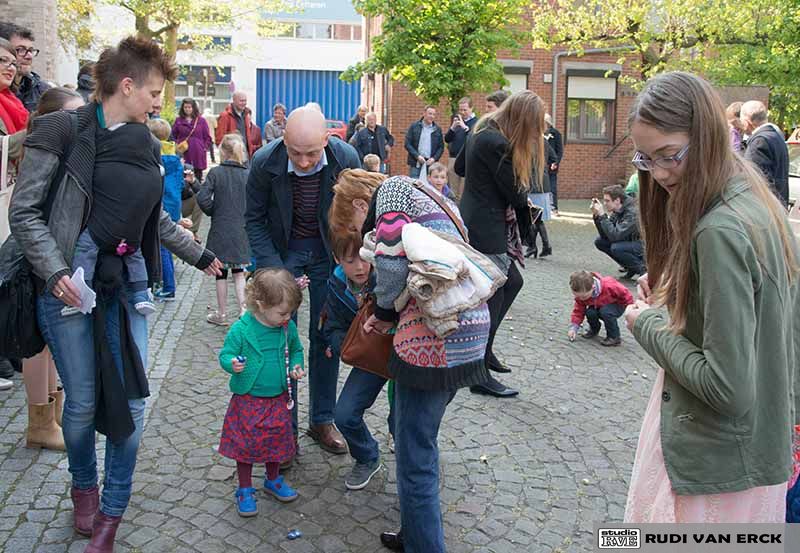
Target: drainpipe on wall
[573,53]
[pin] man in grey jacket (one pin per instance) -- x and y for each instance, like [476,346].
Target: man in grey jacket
[618,227]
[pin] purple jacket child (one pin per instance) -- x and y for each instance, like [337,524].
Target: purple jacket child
[199,141]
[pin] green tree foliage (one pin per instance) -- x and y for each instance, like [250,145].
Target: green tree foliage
[441,49]
[730,41]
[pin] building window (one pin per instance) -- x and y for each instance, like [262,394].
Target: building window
[322,31]
[516,82]
[305,30]
[590,109]
[286,30]
[589,120]
[319,31]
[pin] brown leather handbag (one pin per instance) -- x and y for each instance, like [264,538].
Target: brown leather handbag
[369,351]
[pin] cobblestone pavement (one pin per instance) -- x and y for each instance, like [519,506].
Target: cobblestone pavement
[524,474]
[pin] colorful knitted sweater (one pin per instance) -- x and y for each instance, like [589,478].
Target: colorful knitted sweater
[421,359]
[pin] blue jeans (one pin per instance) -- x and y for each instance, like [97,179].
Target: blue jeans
[70,338]
[554,189]
[627,254]
[358,395]
[168,271]
[418,415]
[323,372]
[609,315]
[414,171]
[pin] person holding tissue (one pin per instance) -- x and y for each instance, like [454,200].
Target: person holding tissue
[110,197]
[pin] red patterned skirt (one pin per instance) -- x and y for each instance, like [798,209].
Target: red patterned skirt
[258,430]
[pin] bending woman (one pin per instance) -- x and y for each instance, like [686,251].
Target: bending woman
[108,222]
[425,384]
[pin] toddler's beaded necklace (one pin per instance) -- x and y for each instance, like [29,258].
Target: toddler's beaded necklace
[290,404]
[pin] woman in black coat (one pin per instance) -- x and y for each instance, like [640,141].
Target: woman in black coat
[502,158]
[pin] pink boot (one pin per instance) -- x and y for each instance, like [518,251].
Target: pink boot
[84,506]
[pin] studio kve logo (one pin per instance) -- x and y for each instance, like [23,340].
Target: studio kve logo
[619,538]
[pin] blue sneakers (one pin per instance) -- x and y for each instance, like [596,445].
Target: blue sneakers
[280,490]
[246,502]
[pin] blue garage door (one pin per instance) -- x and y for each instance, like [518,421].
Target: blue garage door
[296,87]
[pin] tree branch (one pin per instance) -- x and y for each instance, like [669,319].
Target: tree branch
[164,29]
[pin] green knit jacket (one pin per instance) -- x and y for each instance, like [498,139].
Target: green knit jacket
[243,339]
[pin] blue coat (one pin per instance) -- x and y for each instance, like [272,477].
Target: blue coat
[268,218]
[340,309]
[173,185]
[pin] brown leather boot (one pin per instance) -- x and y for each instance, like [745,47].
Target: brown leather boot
[328,438]
[104,530]
[58,395]
[42,428]
[84,507]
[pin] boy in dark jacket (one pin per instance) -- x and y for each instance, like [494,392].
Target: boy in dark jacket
[350,281]
[597,298]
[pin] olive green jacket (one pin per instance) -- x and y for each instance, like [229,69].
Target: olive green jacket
[728,405]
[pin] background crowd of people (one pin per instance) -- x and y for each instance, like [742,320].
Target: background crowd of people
[107,189]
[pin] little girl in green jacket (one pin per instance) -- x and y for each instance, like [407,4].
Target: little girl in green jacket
[263,354]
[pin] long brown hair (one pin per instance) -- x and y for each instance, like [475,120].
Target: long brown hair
[680,102]
[520,119]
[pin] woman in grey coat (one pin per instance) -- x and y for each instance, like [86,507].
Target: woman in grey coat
[222,197]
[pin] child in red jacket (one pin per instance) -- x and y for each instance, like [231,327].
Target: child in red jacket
[597,297]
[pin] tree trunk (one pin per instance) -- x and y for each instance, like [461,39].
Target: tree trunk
[170,48]
[143,26]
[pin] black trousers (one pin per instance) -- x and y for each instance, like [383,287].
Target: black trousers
[500,303]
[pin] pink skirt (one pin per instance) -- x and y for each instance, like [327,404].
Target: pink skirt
[258,430]
[651,499]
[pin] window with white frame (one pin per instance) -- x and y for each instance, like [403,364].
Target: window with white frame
[590,109]
[319,31]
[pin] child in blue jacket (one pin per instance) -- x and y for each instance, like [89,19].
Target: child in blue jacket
[173,184]
[352,280]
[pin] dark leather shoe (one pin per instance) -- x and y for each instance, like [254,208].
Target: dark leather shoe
[531,252]
[589,334]
[494,364]
[610,342]
[6,368]
[84,507]
[104,531]
[546,250]
[493,387]
[328,438]
[393,540]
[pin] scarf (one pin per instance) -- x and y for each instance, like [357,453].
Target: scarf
[113,387]
[12,112]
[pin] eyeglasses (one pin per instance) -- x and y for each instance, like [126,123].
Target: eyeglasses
[22,51]
[644,163]
[7,63]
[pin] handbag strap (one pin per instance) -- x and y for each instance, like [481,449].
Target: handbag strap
[4,163]
[191,132]
[442,204]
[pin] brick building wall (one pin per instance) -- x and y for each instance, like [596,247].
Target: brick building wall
[585,168]
[41,17]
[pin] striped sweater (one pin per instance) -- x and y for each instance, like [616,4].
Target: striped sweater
[421,359]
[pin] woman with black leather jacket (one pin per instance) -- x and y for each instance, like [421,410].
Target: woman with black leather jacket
[107,191]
